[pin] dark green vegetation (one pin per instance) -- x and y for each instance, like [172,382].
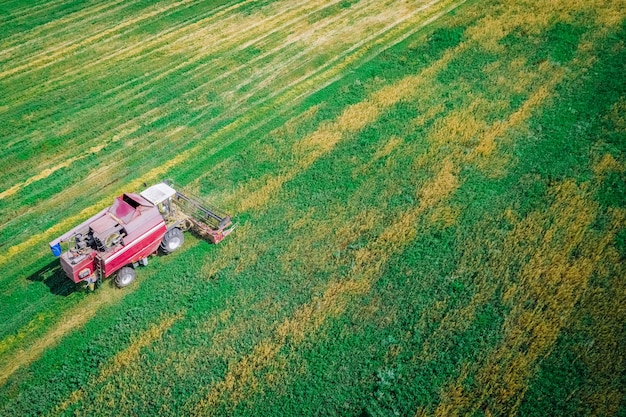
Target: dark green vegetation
[434,225]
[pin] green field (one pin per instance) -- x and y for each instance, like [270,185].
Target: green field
[431,198]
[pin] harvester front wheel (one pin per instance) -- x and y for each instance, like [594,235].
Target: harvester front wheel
[173,239]
[125,276]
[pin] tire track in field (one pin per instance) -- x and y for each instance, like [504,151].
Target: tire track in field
[50,58]
[308,84]
[74,21]
[29,12]
[133,94]
[30,8]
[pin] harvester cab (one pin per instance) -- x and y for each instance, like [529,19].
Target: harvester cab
[136,226]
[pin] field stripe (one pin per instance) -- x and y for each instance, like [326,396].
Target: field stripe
[30,8]
[333,301]
[49,171]
[542,299]
[50,58]
[123,358]
[65,24]
[72,319]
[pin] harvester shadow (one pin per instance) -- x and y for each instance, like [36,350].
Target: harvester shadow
[54,277]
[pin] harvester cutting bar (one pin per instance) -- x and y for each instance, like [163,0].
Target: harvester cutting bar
[196,209]
[208,221]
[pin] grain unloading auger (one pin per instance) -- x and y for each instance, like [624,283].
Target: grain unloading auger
[136,226]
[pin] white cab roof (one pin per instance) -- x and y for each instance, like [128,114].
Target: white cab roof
[158,193]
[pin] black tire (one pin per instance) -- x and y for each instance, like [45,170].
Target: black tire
[173,239]
[125,276]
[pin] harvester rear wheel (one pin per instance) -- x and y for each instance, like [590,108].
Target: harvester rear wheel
[125,276]
[173,239]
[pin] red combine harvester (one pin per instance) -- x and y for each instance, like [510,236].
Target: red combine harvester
[121,237]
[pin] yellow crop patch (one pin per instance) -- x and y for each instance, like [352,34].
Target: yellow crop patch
[369,260]
[123,358]
[607,164]
[43,174]
[542,297]
[11,341]
[602,313]
[487,142]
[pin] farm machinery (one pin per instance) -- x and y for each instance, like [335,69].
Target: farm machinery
[134,227]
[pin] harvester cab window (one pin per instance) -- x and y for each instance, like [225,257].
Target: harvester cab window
[165,207]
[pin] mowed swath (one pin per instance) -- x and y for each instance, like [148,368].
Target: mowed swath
[136,96]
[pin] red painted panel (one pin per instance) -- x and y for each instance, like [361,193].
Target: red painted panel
[139,248]
[72,270]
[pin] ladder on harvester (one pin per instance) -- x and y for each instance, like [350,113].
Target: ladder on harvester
[98,272]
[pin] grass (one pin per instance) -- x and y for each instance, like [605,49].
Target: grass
[430,203]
